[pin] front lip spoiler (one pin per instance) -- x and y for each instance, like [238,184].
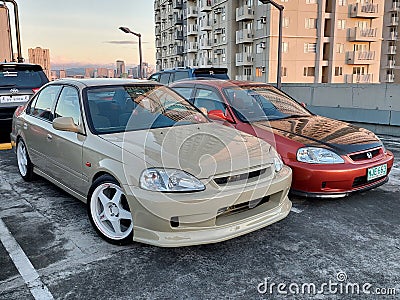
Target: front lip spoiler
[338,195]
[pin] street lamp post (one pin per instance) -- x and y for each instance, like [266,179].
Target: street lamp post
[16,19]
[279,69]
[127,30]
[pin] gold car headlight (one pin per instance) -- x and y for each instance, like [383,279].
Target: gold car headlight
[169,180]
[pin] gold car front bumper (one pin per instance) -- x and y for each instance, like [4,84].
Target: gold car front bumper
[185,219]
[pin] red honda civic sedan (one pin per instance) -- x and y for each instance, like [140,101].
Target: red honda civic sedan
[329,158]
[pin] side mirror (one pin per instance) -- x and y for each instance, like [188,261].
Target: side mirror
[65,124]
[218,114]
[304,104]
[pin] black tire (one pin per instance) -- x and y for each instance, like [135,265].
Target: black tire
[105,217]
[25,166]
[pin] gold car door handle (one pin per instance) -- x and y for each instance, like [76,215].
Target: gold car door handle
[49,137]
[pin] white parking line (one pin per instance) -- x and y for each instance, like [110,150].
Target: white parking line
[23,264]
[296,210]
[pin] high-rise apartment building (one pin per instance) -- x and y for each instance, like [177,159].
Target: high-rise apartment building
[5,35]
[324,41]
[120,68]
[390,50]
[41,57]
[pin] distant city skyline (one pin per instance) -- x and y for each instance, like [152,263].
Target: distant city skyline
[82,33]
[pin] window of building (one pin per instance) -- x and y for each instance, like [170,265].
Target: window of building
[260,24]
[341,24]
[310,47]
[285,22]
[342,2]
[358,70]
[285,47]
[309,71]
[338,71]
[260,71]
[339,48]
[260,47]
[311,1]
[284,0]
[311,23]
[247,71]
[284,72]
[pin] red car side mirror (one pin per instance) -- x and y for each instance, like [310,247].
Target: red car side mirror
[218,114]
[304,104]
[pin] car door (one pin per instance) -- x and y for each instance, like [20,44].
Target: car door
[66,147]
[37,126]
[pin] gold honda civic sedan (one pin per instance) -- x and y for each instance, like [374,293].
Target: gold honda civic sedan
[150,166]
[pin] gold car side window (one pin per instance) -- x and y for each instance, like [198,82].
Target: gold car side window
[44,103]
[68,105]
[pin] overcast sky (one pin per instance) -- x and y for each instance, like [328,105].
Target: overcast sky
[86,31]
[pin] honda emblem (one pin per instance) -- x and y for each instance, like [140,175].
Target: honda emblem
[14,91]
[369,155]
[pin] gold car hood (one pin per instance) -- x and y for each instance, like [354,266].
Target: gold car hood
[203,150]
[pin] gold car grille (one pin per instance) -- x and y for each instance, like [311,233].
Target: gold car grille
[243,176]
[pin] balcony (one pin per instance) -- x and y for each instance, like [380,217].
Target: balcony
[359,10]
[158,43]
[206,62]
[393,36]
[244,13]
[359,78]
[192,29]
[178,20]
[389,78]
[358,34]
[244,59]
[158,18]
[394,21]
[178,35]
[244,77]
[192,47]
[395,7]
[391,63]
[205,44]
[177,4]
[391,50]
[360,57]
[178,50]
[205,25]
[205,5]
[156,5]
[218,30]
[191,12]
[158,55]
[193,63]
[244,36]
[157,30]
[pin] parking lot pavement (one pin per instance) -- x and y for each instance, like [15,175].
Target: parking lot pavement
[320,239]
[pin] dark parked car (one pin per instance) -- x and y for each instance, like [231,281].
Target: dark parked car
[18,82]
[172,75]
[329,158]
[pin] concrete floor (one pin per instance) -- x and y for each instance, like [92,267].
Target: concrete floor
[358,235]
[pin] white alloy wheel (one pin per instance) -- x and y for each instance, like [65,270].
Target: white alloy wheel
[110,213]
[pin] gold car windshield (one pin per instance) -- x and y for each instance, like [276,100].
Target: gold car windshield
[138,107]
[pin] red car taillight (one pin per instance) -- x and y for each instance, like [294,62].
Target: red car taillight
[35,90]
